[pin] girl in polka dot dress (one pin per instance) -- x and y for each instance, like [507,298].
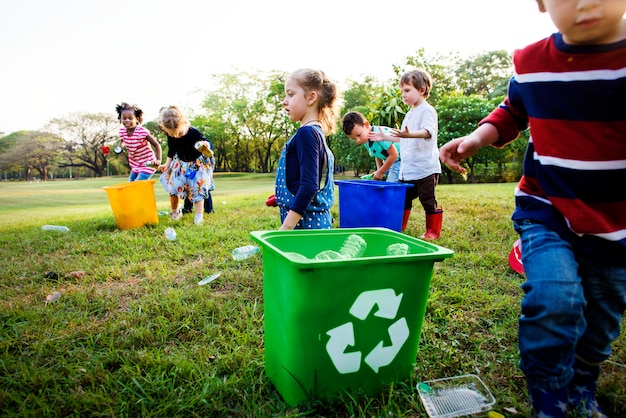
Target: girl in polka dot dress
[304,177]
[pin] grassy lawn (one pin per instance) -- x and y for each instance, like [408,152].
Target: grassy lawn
[132,334]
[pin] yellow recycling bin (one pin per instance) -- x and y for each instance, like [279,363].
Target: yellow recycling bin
[133,203]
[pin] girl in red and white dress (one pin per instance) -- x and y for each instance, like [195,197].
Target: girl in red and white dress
[139,143]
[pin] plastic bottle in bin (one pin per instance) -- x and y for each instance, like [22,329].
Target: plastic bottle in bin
[247,251]
[399,248]
[353,247]
[329,255]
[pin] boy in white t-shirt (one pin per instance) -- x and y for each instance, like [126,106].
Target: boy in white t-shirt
[420,164]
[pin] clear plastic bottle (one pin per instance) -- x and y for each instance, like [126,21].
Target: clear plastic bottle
[399,248]
[329,255]
[55,228]
[247,251]
[170,234]
[353,247]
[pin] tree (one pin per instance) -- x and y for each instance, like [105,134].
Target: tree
[458,116]
[485,74]
[363,97]
[85,135]
[31,150]
[248,110]
[439,66]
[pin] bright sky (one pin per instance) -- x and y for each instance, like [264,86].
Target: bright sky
[63,56]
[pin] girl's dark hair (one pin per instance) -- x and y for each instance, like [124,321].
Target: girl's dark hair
[133,108]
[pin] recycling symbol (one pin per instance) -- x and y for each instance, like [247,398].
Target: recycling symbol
[343,337]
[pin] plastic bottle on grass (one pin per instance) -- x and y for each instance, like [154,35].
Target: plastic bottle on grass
[55,228]
[170,234]
[247,251]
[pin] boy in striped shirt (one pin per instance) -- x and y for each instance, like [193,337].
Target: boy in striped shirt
[569,89]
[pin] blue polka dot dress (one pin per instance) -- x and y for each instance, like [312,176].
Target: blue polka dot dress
[317,215]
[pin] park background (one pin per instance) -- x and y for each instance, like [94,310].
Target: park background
[135,335]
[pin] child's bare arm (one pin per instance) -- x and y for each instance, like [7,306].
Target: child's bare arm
[422,133]
[157,147]
[457,149]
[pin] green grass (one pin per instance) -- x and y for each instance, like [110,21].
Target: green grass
[136,336]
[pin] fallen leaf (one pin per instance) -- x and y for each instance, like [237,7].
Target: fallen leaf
[77,274]
[52,297]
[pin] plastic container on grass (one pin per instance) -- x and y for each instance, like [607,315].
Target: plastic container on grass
[371,203]
[339,325]
[455,396]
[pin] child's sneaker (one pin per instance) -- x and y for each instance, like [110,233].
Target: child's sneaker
[176,215]
[198,219]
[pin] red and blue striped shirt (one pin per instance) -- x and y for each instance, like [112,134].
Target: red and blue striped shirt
[573,98]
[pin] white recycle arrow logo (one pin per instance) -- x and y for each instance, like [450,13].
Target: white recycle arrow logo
[342,336]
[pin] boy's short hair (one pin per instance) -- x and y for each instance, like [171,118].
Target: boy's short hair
[418,78]
[352,118]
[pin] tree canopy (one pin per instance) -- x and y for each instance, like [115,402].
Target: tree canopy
[245,120]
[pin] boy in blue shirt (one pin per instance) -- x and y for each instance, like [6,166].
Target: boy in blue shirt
[386,153]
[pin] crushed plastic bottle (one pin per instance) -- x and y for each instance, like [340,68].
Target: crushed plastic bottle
[209,279]
[371,177]
[353,247]
[399,248]
[170,234]
[247,251]
[55,228]
[329,255]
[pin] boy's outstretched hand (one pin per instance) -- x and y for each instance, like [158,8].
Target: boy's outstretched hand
[399,133]
[376,136]
[454,151]
[458,149]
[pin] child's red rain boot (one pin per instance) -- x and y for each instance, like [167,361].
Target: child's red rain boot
[405,218]
[433,225]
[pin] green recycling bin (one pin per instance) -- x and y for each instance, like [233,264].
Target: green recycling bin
[342,325]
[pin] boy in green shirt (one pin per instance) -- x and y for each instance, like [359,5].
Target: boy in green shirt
[386,153]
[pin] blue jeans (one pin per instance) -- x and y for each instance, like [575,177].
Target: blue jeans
[572,306]
[394,172]
[139,176]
